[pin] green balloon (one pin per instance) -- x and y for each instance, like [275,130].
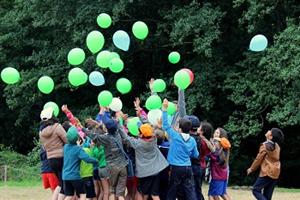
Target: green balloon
[54,106]
[153,102]
[103,59]
[123,85]
[95,41]
[77,77]
[172,108]
[76,56]
[140,30]
[159,85]
[105,98]
[46,84]
[104,20]
[132,126]
[10,75]
[114,55]
[174,57]
[182,79]
[116,65]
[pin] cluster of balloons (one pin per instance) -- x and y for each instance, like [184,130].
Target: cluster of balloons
[258,43]
[10,75]
[183,78]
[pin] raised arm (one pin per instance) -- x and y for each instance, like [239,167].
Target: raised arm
[133,142]
[166,126]
[258,160]
[181,103]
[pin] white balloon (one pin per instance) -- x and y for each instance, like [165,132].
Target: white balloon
[116,104]
[154,116]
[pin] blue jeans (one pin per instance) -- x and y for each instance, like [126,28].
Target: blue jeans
[197,172]
[181,177]
[264,183]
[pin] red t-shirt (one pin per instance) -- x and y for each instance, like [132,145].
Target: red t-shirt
[203,153]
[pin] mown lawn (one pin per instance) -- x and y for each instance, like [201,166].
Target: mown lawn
[34,191]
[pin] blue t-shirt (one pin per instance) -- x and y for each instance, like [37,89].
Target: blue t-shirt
[73,154]
[181,150]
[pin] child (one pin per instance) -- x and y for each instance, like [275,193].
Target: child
[205,131]
[99,154]
[268,160]
[86,174]
[114,156]
[219,171]
[73,154]
[196,161]
[149,161]
[48,176]
[182,148]
[163,146]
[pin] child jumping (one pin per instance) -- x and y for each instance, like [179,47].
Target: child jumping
[268,160]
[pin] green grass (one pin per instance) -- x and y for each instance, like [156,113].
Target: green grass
[288,190]
[21,183]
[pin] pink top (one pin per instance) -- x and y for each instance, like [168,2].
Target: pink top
[218,170]
[73,121]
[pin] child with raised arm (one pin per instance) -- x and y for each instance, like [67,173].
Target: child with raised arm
[219,171]
[149,161]
[114,156]
[183,147]
[73,155]
[268,160]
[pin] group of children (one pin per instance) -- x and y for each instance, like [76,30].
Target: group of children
[168,160]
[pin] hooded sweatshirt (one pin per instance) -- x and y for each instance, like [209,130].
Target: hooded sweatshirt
[148,158]
[268,160]
[183,147]
[53,139]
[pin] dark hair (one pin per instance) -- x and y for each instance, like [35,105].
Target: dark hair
[185,125]
[66,125]
[49,122]
[223,133]
[277,136]
[207,129]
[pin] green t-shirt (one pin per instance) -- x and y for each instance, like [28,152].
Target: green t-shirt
[86,169]
[98,153]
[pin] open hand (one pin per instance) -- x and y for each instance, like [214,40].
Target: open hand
[64,108]
[165,104]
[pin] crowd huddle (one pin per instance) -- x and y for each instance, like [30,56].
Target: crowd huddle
[99,159]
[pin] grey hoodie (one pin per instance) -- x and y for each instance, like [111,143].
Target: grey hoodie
[148,158]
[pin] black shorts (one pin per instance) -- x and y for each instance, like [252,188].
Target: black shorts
[96,175]
[56,165]
[89,187]
[74,186]
[149,185]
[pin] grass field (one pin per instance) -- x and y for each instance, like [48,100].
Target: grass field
[34,191]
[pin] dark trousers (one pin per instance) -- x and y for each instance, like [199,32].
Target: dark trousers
[181,177]
[199,174]
[266,184]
